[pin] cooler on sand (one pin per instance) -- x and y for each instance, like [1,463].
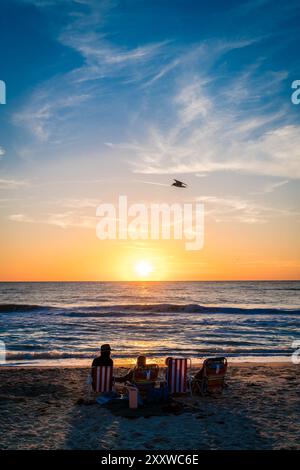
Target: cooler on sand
[133,396]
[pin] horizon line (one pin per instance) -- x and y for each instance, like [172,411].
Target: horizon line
[153,280]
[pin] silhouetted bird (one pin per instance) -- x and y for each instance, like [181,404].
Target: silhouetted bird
[179,184]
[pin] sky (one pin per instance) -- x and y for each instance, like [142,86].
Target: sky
[108,98]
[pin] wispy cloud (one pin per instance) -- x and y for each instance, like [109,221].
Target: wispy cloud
[84,203]
[243,210]
[12,184]
[21,218]
[53,108]
[155,183]
[164,70]
[271,187]
[211,125]
[206,137]
[71,219]
[47,110]
[64,220]
[74,212]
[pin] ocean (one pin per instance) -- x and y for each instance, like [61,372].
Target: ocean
[64,323]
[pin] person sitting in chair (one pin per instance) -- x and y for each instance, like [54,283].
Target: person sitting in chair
[104,359]
[140,363]
[143,376]
[101,377]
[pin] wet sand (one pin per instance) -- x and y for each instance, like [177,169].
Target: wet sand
[259,409]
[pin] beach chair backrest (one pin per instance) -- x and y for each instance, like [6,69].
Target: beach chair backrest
[177,375]
[146,374]
[102,379]
[214,370]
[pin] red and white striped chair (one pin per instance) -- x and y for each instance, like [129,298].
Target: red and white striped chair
[102,379]
[177,375]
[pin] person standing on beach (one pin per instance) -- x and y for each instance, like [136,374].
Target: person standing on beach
[104,359]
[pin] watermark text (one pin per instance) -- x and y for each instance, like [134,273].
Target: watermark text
[295,97]
[155,222]
[2,92]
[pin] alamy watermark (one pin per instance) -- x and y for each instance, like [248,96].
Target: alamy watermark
[2,92]
[2,352]
[156,221]
[296,353]
[295,97]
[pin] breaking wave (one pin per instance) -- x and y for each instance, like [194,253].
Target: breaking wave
[103,310]
[7,308]
[150,309]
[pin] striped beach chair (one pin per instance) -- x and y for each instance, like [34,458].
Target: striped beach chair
[102,379]
[177,375]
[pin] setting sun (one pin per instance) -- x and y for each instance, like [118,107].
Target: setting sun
[143,268]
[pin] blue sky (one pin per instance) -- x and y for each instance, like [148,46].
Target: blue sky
[113,70]
[123,92]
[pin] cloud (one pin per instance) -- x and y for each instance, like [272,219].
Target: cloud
[207,135]
[20,218]
[53,108]
[192,103]
[98,52]
[51,111]
[164,70]
[47,110]
[12,184]
[84,203]
[77,214]
[242,210]
[155,183]
[2,152]
[64,220]
[215,120]
[70,219]
[271,187]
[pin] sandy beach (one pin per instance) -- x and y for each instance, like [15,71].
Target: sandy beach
[42,408]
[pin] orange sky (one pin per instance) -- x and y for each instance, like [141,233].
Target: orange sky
[41,252]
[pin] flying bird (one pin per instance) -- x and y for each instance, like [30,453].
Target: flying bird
[179,184]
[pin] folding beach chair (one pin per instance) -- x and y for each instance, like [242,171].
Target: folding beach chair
[144,379]
[147,374]
[102,379]
[211,378]
[177,375]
